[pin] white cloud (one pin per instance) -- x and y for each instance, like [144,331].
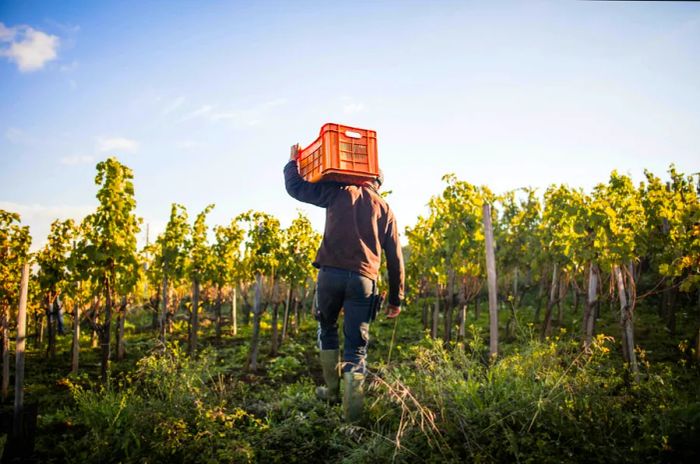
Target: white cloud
[350,106]
[187,144]
[242,117]
[223,115]
[64,27]
[120,144]
[245,117]
[77,159]
[17,136]
[198,113]
[39,217]
[273,103]
[7,34]
[69,67]
[29,48]
[173,105]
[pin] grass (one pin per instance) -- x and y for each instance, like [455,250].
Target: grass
[542,401]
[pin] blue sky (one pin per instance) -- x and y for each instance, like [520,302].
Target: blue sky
[203,99]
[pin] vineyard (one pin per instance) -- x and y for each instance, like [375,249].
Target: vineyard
[200,347]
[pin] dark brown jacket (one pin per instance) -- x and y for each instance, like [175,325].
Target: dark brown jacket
[359,224]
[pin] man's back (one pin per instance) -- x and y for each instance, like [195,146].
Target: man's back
[359,224]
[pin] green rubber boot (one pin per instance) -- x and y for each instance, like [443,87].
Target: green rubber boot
[353,396]
[331,374]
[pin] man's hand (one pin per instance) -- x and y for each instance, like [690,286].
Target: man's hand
[294,152]
[392,311]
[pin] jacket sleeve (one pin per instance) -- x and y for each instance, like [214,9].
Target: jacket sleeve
[394,262]
[319,194]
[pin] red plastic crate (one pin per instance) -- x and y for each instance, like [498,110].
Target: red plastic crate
[342,154]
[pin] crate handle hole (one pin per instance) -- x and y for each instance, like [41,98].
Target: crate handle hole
[353,134]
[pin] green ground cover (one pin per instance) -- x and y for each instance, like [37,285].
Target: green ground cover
[542,401]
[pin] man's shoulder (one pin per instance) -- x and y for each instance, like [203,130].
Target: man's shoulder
[375,197]
[367,194]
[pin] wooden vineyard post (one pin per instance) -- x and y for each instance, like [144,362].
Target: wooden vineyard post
[491,273]
[121,319]
[462,322]
[164,313]
[275,328]
[75,346]
[449,305]
[697,337]
[626,323]
[5,330]
[285,322]
[19,352]
[234,319]
[547,323]
[194,318]
[589,313]
[436,313]
[257,310]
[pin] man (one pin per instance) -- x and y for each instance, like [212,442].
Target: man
[359,224]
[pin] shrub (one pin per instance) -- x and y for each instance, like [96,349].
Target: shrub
[539,402]
[172,408]
[547,402]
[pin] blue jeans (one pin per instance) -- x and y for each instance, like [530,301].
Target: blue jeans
[336,289]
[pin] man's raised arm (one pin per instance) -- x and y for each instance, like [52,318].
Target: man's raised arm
[319,194]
